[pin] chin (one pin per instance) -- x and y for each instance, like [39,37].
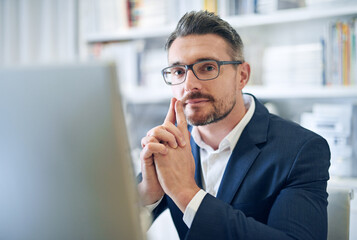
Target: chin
[201,120]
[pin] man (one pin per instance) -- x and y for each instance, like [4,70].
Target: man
[240,173]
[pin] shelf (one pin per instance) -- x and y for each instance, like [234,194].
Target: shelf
[130,34]
[270,92]
[140,95]
[291,15]
[282,16]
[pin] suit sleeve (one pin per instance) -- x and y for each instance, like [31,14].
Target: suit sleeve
[298,212]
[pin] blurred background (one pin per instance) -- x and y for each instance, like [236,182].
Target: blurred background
[302,54]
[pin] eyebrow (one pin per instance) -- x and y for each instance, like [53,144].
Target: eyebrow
[197,60]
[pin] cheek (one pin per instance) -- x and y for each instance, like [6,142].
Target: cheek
[177,92]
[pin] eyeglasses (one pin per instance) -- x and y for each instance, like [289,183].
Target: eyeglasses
[203,70]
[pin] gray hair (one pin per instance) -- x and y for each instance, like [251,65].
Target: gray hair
[203,22]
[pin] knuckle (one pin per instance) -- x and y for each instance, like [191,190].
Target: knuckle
[150,147]
[155,131]
[148,139]
[172,138]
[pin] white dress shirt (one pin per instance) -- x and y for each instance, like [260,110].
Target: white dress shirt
[214,162]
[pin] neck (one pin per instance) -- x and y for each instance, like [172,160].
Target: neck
[212,134]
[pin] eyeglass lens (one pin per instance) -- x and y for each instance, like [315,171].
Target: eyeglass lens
[204,70]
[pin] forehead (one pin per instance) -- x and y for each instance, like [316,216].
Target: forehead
[189,49]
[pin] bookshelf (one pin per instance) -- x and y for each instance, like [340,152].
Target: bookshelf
[259,31]
[290,27]
[243,21]
[291,15]
[310,22]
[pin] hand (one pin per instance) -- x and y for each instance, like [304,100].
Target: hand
[176,167]
[167,133]
[156,141]
[149,188]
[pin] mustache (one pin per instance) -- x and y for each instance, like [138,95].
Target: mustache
[195,95]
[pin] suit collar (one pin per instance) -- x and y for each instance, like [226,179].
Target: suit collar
[257,128]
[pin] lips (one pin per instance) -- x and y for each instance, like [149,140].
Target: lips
[196,101]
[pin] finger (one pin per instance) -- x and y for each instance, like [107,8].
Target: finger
[161,134]
[148,139]
[181,120]
[170,117]
[153,148]
[170,127]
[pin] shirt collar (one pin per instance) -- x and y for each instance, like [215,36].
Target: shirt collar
[232,138]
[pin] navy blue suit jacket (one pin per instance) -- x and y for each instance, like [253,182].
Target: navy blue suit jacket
[274,186]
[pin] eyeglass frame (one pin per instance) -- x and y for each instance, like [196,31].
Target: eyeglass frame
[190,67]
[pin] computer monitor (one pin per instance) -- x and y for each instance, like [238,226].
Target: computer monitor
[65,167]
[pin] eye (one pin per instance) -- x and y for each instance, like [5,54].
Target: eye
[178,71]
[208,67]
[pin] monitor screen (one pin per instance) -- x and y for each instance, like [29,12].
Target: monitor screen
[65,167]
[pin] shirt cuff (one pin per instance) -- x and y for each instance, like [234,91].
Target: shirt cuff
[151,207]
[145,214]
[192,207]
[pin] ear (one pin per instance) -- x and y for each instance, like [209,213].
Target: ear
[243,75]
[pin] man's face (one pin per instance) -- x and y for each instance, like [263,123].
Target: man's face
[209,101]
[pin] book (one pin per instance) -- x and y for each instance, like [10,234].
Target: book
[340,49]
[210,5]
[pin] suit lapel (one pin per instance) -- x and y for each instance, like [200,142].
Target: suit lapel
[244,153]
[242,158]
[196,154]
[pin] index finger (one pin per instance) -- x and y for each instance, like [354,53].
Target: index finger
[171,117]
[181,120]
[169,124]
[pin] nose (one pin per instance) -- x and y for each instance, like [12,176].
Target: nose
[192,83]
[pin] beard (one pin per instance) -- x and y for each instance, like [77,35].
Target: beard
[218,110]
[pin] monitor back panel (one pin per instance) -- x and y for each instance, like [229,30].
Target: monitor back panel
[65,170]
